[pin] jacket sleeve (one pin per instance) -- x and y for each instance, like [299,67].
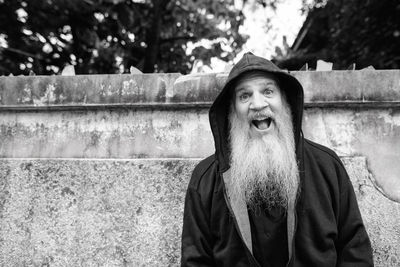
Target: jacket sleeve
[353,244]
[196,235]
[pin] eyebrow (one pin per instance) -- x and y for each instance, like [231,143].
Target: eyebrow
[268,83]
[239,89]
[264,83]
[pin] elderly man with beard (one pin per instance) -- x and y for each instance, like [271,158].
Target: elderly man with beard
[268,196]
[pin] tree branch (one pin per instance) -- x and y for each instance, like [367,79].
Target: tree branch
[21,52]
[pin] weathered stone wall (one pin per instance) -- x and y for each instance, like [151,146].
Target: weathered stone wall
[94,168]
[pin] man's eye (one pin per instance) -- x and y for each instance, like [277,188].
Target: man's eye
[268,91]
[244,97]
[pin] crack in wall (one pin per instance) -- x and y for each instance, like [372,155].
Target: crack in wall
[376,184]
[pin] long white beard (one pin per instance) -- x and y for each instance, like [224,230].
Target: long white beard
[264,170]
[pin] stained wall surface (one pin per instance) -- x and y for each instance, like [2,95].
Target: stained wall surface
[94,169]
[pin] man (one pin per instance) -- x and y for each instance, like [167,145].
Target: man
[268,196]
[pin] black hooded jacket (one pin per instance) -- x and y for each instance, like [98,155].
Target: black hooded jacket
[323,228]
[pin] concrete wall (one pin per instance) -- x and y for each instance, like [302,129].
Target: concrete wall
[94,168]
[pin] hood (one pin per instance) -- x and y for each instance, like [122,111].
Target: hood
[219,110]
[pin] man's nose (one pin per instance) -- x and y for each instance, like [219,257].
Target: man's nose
[258,102]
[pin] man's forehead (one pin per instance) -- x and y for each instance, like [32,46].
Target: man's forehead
[255,78]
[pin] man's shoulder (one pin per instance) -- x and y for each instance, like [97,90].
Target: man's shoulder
[322,153]
[327,161]
[204,173]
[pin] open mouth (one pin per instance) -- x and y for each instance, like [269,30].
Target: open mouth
[262,124]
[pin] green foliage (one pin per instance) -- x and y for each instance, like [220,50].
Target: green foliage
[365,32]
[109,36]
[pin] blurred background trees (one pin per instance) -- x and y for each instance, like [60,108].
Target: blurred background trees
[364,32]
[109,36]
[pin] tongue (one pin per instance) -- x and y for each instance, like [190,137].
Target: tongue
[262,125]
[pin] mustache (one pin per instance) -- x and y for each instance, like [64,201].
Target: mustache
[257,115]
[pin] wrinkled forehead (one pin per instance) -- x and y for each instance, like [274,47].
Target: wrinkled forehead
[253,77]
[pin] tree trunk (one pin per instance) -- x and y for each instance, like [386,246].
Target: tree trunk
[153,36]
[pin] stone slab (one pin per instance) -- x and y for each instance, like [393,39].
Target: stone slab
[327,86]
[348,86]
[91,212]
[59,212]
[105,134]
[85,89]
